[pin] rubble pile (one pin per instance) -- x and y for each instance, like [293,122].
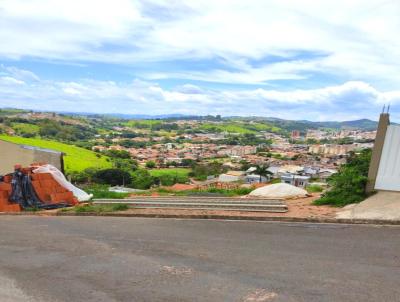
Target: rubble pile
[26,189]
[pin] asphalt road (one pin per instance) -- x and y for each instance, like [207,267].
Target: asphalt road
[133,259]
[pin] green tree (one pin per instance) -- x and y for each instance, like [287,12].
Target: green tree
[348,185]
[112,177]
[262,170]
[141,179]
[118,154]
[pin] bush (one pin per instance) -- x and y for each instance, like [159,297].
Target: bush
[141,179]
[314,188]
[201,171]
[85,176]
[150,164]
[112,177]
[348,185]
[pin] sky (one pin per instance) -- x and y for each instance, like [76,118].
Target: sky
[303,59]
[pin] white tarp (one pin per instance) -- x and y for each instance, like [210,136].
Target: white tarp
[60,178]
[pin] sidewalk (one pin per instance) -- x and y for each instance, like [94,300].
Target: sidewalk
[383,205]
[300,210]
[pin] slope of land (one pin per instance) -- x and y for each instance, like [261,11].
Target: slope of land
[75,159]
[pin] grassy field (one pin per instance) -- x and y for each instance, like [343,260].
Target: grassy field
[172,171]
[170,176]
[262,127]
[143,123]
[237,127]
[75,159]
[228,127]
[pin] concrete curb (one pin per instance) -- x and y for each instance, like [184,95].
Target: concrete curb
[216,217]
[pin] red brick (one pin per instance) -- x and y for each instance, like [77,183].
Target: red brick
[48,183]
[62,197]
[12,208]
[45,176]
[36,183]
[56,197]
[49,191]
[5,186]
[3,200]
[75,201]
[7,178]
[60,189]
[42,194]
[4,194]
[34,177]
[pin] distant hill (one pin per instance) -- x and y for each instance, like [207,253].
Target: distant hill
[361,124]
[288,125]
[126,116]
[302,125]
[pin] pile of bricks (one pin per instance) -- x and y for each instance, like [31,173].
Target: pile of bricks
[48,190]
[5,192]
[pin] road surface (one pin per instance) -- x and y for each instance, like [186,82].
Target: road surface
[135,259]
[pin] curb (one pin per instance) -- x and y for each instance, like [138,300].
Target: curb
[218,217]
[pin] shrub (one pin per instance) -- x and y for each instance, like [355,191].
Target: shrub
[348,185]
[141,179]
[314,188]
[112,177]
[150,164]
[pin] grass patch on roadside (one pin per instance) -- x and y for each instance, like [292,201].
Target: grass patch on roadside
[96,208]
[210,191]
[101,191]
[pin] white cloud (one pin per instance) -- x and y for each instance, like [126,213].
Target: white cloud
[359,37]
[10,81]
[21,73]
[350,100]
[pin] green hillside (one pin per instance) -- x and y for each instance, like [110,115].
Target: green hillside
[238,127]
[24,128]
[180,172]
[75,159]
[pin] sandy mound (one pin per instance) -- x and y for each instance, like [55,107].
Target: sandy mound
[280,190]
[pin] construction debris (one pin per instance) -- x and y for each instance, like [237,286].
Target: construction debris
[26,188]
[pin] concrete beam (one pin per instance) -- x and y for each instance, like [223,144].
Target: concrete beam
[384,122]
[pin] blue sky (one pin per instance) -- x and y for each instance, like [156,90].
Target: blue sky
[338,60]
